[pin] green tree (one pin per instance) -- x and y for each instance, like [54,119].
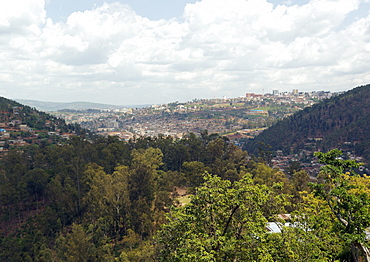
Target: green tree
[265,153]
[265,175]
[36,180]
[144,181]
[75,246]
[135,249]
[194,172]
[108,198]
[310,234]
[223,222]
[299,182]
[348,196]
[294,166]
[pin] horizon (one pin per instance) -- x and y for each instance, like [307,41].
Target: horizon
[145,105]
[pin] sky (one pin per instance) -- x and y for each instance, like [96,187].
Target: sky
[151,52]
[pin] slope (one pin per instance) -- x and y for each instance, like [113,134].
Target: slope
[15,114]
[341,121]
[22,125]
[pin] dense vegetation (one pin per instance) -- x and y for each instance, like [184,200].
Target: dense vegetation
[113,195]
[339,122]
[106,200]
[102,199]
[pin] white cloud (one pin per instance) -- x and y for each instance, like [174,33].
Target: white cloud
[21,17]
[112,55]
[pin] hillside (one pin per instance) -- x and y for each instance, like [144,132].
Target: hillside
[15,114]
[22,125]
[339,122]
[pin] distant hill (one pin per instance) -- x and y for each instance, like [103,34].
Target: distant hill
[55,106]
[340,122]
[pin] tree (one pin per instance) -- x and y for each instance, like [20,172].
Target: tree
[265,153]
[37,180]
[196,147]
[299,182]
[143,182]
[265,175]
[108,197]
[294,166]
[223,222]
[193,172]
[348,196]
[309,235]
[76,246]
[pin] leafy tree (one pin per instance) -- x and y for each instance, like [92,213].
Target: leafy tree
[36,180]
[108,198]
[76,246]
[310,234]
[144,178]
[223,222]
[265,175]
[265,153]
[136,249]
[196,147]
[194,173]
[299,182]
[348,196]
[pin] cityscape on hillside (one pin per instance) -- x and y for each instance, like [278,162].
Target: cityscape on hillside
[246,116]
[238,119]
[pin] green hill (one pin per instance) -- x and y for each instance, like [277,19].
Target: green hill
[339,122]
[21,125]
[15,114]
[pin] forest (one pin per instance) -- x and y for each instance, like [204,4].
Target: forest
[103,199]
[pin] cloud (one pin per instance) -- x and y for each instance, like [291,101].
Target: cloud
[110,54]
[21,17]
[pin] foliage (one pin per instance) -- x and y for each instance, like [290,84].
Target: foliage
[106,199]
[310,235]
[223,222]
[347,195]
